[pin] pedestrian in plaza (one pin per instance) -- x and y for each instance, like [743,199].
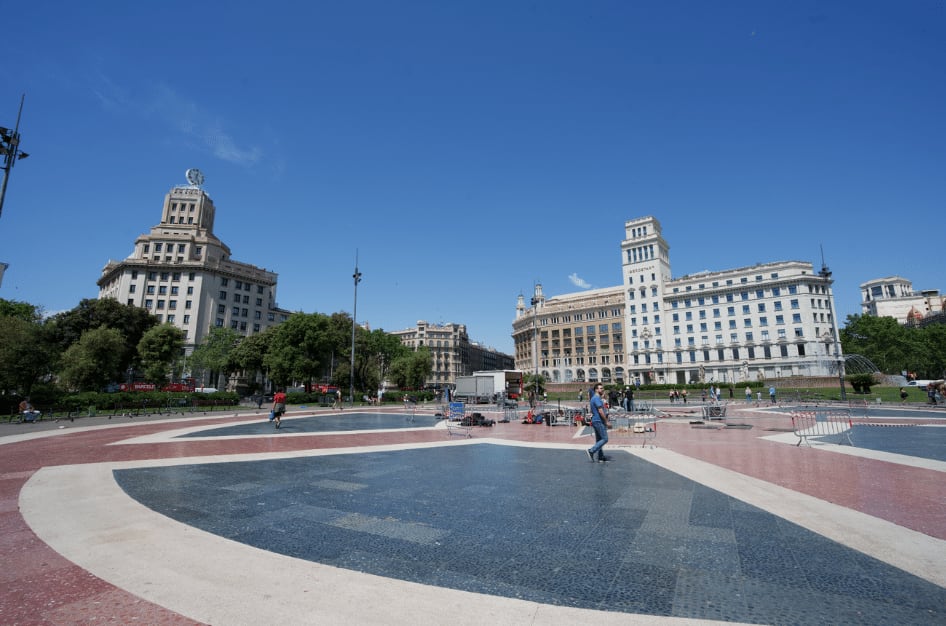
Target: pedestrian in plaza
[599,422]
[732,393]
[748,395]
[581,395]
[279,406]
[683,395]
[672,392]
[903,395]
[703,395]
[27,412]
[772,394]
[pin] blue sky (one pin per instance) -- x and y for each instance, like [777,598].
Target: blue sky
[469,149]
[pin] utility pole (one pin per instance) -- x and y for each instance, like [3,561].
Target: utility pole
[354,314]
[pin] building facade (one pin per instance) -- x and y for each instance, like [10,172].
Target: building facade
[762,322]
[452,352]
[894,297]
[182,273]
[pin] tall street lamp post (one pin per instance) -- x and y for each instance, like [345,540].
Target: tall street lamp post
[354,314]
[825,273]
[535,340]
[10,150]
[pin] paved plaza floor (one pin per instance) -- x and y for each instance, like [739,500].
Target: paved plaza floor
[386,517]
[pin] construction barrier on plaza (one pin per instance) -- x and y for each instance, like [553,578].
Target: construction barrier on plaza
[633,429]
[822,422]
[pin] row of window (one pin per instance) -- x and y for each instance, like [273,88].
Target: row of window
[164,276]
[746,323]
[235,325]
[566,361]
[578,317]
[160,304]
[162,290]
[729,282]
[240,285]
[168,248]
[240,298]
[238,312]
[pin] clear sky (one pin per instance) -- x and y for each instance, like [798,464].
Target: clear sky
[469,149]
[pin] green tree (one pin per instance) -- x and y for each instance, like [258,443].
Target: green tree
[25,355]
[158,349]
[298,348]
[932,342]
[249,355]
[380,350]
[894,348]
[132,322]
[94,361]
[533,383]
[22,310]
[212,356]
[411,370]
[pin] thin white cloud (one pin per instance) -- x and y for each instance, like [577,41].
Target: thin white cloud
[163,104]
[209,133]
[578,281]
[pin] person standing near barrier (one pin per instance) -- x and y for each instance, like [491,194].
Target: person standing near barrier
[599,422]
[748,395]
[772,393]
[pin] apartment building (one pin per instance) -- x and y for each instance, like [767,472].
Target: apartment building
[760,322]
[894,297]
[182,273]
[452,352]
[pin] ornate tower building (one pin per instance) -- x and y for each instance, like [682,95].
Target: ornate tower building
[184,275]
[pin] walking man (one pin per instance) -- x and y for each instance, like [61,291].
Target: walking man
[599,422]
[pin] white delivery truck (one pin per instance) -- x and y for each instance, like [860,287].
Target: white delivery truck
[488,386]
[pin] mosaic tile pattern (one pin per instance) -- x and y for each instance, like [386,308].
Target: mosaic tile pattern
[543,525]
[326,423]
[926,442]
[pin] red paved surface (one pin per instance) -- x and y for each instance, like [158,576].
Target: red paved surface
[37,586]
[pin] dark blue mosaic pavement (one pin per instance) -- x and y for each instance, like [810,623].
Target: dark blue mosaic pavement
[925,442]
[326,423]
[542,525]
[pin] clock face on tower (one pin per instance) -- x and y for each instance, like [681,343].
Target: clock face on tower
[194,177]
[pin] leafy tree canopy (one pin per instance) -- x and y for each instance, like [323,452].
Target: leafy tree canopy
[22,310]
[158,349]
[93,361]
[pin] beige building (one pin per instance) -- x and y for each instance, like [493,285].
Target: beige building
[452,351]
[761,322]
[894,297]
[184,275]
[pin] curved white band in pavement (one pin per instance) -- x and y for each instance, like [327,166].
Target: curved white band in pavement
[81,513]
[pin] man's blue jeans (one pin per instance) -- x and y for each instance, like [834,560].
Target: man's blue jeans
[601,434]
